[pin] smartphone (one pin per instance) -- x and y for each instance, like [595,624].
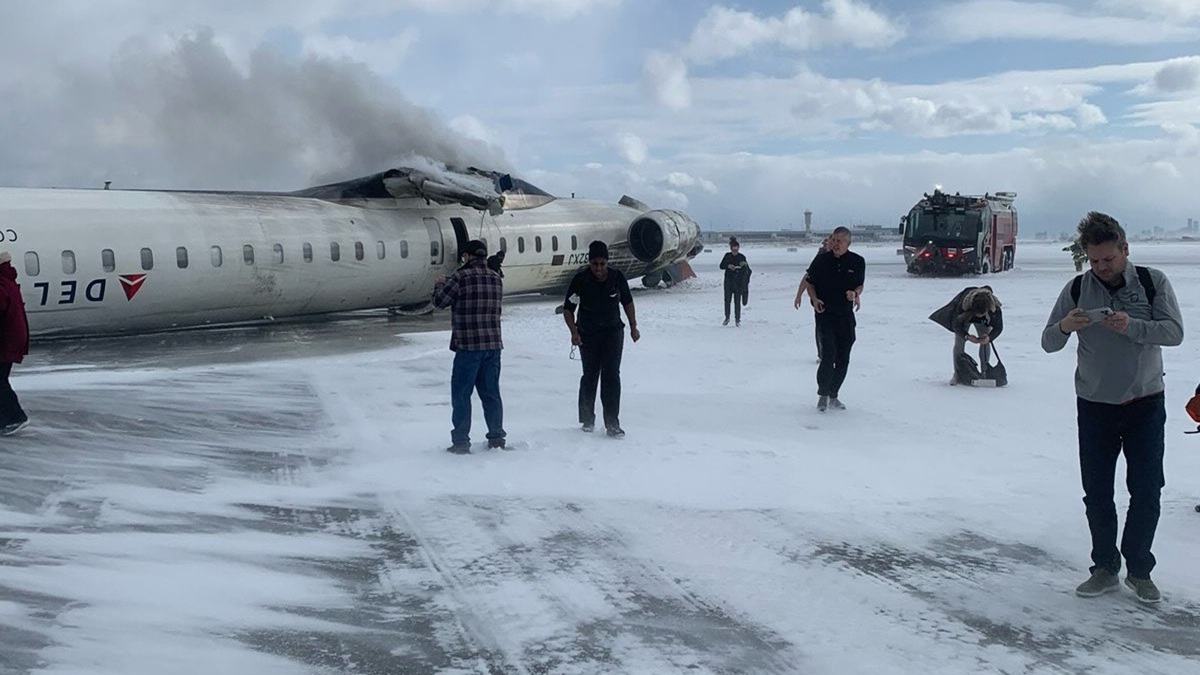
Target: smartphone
[1097,315]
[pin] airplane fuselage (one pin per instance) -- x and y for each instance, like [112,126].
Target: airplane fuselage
[102,262]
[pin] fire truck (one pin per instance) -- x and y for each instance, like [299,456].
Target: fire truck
[955,234]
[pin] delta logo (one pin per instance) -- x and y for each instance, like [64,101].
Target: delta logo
[131,284]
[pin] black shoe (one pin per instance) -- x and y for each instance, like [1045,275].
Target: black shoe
[495,443]
[615,432]
[725,322]
[588,427]
[460,449]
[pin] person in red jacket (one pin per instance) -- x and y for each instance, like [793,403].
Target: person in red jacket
[14,345]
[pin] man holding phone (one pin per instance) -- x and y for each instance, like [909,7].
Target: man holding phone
[1119,397]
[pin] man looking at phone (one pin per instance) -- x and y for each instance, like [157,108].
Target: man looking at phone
[1120,401]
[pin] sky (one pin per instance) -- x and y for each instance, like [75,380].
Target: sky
[278,499]
[745,115]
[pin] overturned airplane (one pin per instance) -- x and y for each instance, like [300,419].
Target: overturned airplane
[110,262]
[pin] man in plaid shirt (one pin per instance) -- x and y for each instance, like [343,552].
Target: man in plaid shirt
[473,293]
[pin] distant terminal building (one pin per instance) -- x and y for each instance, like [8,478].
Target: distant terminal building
[861,233]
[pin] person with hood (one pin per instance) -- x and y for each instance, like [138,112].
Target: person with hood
[599,292]
[974,307]
[473,294]
[496,261]
[737,274]
[14,345]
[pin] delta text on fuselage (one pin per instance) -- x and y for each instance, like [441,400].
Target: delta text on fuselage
[107,262]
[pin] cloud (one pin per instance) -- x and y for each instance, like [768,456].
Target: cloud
[1088,116]
[664,76]
[725,33]
[1173,9]
[681,179]
[556,9]
[387,56]
[1003,20]
[631,148]
[1178,75]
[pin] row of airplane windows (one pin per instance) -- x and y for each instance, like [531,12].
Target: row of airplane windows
[108,258]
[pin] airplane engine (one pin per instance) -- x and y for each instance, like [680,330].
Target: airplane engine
[662,237]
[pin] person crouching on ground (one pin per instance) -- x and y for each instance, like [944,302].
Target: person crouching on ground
[14,345]
[973,307]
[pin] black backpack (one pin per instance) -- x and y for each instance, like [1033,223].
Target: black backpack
[966,370]
[1143,275]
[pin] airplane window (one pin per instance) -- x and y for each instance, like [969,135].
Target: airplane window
[217,259]
[248,254]
[68,260]
[554,243]
[108,260]
[403,248]
[32,266]
[574,243]
[520,244]
[307,252]
[147,259]
[278,248]
[503,244]
[537,244]
[379,249]
[359,253]
[335,251]
[433,249]
[181,257]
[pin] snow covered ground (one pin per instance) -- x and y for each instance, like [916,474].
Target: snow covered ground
[280,502]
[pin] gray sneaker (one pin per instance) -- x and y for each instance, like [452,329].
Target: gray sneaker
[1102,581]
[836,404]
[822,403]
[1146,591]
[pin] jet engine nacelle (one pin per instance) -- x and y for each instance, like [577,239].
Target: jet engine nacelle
[662,237]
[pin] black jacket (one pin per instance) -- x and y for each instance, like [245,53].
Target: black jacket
[737,271]
[952,317]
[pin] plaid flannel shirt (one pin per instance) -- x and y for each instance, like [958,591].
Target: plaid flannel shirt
[473,293]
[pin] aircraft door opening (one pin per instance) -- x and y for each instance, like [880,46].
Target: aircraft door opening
[460,234]
[436,253]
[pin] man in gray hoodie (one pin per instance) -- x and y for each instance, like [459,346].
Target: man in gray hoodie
[1123,315]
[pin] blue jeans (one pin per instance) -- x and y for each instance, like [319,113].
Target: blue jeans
[1105,432]
[476,371]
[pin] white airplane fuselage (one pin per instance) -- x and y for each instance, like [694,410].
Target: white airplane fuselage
[105,262]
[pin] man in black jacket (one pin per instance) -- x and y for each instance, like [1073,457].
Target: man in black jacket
[835,284]
[736,271]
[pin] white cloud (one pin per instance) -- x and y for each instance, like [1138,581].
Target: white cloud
[1174,9]
[996,20]
[664,76]
[631,148]
[556,9]
[1088,116]
[382,56]
[681,179]
[725,32]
